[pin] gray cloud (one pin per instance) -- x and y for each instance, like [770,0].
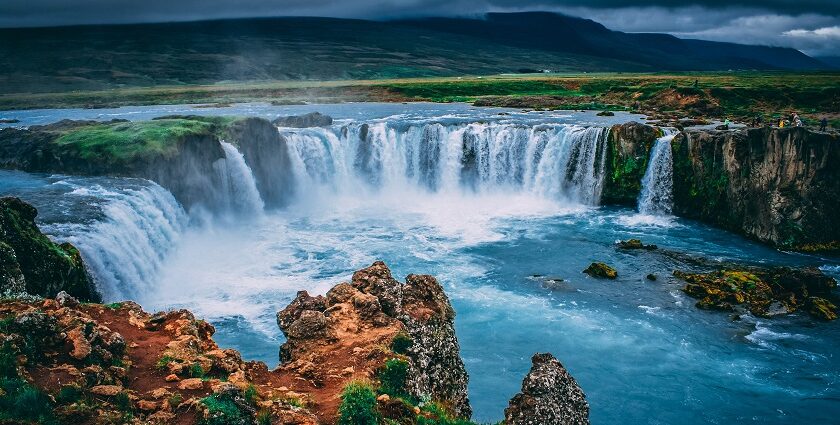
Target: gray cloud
[808,25]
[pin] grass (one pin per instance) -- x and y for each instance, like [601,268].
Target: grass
[392,377]
[736,94]
[358,405]
[126,141]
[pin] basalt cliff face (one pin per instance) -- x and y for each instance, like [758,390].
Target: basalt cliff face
[779,186]
[628,152]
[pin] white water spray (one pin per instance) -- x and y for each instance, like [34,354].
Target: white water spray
[560,162]
[240,188]
[657,196]
[125,250]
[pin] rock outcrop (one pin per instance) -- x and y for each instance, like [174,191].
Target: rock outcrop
[778,186]
[372,348]
[628,152]
[763,292]
[312,119]
[266,153]
[375,310]
[32,263]
[67,362]
[601,270]
[550,395]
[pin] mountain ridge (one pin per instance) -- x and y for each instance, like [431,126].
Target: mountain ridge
[99,57]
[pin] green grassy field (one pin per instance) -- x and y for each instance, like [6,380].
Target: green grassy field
[717,95]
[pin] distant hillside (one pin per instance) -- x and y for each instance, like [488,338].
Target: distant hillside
[100,57]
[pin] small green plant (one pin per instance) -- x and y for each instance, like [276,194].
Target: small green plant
[196,371]
[221,410]
[175,400]
[69,394]
[358,405]
[392,377]
[122,401]
[401,343]
[251,394]
[264,417]
[113,306]
[436,414]
[163,362]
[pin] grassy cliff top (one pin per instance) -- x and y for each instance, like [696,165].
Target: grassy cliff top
[128,140]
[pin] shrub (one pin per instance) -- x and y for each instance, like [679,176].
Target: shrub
[69,394]
[221,410]
[358,405]
[392,377]
[401,343]
[122,402]
[196,371]
[251,394]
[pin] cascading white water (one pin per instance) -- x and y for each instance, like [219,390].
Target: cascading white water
[554,161]
[124,250]
[657,196]
[240,188]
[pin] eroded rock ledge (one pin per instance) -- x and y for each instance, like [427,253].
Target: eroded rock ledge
[372,348]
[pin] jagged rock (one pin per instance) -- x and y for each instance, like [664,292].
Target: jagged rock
[312,119]
[763,292]
[30,258]
[605,114]
[371,310]
[550,395]
[601,270]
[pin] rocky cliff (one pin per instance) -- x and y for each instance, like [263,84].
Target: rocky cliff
[628,152]
[371,351]
[550,395]
[266,152]
[32,263]
[779,186]
[181,153]
[414,319]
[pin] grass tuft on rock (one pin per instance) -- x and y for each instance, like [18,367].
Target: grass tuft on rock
[358,405]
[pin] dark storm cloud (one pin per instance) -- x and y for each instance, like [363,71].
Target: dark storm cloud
[810,25]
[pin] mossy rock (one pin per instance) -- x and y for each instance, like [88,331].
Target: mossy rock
[821,308]
[46,268]
[601,270]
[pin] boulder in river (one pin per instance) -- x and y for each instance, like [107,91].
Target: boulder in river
[312,119]
[601,270]
[635,244]
[763,292]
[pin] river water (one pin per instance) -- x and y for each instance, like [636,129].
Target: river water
[508,239]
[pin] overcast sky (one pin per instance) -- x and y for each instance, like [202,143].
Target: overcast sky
[812,26]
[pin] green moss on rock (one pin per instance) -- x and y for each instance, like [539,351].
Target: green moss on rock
[29,257]
[601,270]
[628,152]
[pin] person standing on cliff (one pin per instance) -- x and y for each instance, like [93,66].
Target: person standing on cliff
[823,124]
[797,122]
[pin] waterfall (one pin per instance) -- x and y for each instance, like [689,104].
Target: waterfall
[657,196]
[139,224]
[239,187]
[557,161]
